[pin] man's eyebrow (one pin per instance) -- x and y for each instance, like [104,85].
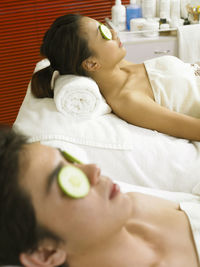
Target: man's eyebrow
[51,177]
[98,31]
[68,157]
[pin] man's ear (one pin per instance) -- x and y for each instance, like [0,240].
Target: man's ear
[43,257]
[91,64]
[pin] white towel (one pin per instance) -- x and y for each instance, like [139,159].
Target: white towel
[79,97]
[123,151]
[189,43]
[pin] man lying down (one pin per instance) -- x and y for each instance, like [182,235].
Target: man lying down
[57,211]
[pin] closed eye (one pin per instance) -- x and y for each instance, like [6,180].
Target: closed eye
[52,177]
[105,32]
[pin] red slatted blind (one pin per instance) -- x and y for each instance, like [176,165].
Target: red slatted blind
[22,26]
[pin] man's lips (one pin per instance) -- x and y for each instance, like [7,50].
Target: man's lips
[115,189]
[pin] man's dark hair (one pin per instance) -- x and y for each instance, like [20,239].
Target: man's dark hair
[19,231]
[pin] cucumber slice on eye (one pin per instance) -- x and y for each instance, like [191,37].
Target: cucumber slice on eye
[105,32]
[73,182]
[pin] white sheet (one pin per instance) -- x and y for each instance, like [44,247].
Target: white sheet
[124,152]
[39,117]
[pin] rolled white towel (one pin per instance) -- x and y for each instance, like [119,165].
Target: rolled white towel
[79,97]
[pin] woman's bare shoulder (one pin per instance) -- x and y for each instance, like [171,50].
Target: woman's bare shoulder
[124,63]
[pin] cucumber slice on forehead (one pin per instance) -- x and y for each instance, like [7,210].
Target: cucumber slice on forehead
[105,32]
[73,182]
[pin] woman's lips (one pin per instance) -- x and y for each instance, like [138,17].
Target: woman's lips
[115,189]
[119,42]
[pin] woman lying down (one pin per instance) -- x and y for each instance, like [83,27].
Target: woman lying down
[57,211]
[161,94]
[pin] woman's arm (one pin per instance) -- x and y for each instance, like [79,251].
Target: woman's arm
[139,109]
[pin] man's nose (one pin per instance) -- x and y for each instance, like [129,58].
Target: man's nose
[92,171]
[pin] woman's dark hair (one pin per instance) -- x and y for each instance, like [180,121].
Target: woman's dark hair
[19,230]
[66,48]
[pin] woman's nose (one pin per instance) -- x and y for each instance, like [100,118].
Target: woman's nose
[92,171]
[114,34]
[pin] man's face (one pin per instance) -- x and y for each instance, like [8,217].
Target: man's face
[83,222]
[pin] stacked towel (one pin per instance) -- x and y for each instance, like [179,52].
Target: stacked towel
[189,43]
[79,97]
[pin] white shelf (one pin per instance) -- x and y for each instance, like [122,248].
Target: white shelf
[130,35]
[141,32]
[139,38]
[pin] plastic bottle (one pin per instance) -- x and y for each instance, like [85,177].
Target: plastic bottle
[133,11]
[186,21]
[148,8]
[158,8]
[175,9]
[164,9]
[175,13]
[164,25]
[118,13]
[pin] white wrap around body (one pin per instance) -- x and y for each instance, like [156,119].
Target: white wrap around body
[175,84]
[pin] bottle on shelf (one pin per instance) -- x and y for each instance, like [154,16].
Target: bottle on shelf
[164,8]
[164,25]
[162,21]
[132,11]
[148,8]
[175,9]
[186,22]
[175,13]
[118,13]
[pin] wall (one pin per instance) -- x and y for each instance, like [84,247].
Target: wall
[22,25]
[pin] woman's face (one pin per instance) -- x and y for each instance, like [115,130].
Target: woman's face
[80,222]
[107,52]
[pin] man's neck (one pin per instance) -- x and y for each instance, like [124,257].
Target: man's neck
[148,238]
[122,250]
